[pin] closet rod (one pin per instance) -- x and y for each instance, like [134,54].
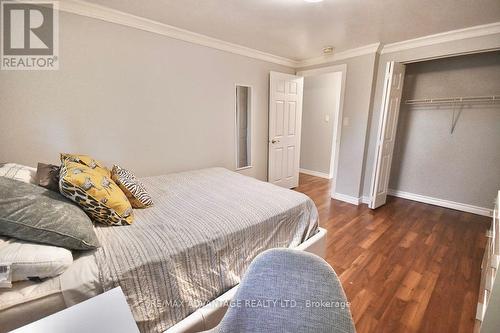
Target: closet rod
[454,100]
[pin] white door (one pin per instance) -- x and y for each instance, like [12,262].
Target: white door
[393,89]
[285,119]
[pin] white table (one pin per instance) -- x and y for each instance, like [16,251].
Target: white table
[106,313]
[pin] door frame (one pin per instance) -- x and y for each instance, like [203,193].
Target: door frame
[338,117]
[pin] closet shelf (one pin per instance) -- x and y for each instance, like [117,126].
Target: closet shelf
[454,100]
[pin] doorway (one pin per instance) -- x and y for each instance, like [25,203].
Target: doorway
[322,121]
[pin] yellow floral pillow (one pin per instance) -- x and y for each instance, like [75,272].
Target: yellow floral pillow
[95,193]
[88,161]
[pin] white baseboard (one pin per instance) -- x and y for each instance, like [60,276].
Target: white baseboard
[315,173]
[365,200]
[350,199]
[346,198]
[420,198]
[441,202]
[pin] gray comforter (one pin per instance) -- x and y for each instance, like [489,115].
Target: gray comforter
[197,241]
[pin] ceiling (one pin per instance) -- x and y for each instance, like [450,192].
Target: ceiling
[299,30]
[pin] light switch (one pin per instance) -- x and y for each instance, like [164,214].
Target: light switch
[327,118]
[345,121]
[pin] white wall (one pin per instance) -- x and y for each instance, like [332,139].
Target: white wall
[464,166]
[321,99]
[151,103]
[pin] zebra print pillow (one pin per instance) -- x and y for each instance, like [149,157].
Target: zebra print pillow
[133,188]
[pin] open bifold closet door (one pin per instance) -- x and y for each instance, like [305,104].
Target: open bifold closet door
[393,90]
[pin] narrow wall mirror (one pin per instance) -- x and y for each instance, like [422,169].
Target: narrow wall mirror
[243,127]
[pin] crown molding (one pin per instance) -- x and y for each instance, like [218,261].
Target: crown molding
[94,11]
[449,36]
[87,9]
[351,53]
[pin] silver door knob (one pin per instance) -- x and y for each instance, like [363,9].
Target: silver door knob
[274,140]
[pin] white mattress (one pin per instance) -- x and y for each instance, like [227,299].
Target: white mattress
[28,301]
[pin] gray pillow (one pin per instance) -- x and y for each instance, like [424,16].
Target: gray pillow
[35,214]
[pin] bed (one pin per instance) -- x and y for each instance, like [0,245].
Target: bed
[189,249]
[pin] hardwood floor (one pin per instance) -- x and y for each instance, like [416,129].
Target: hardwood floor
[406,266]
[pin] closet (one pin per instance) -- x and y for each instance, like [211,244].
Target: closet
[439,139]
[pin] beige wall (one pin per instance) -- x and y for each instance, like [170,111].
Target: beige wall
[148,102]
[428,160]
[321,99]
[357,104]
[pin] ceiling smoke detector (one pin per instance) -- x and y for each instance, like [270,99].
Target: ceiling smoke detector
[327,50]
